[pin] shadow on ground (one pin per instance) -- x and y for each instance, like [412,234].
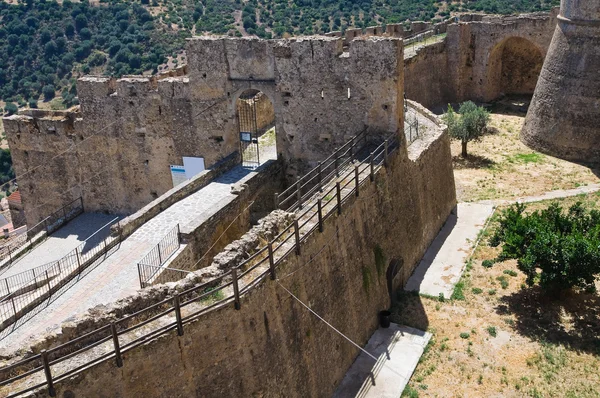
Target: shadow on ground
[472,162]
[408,309]
[573,319]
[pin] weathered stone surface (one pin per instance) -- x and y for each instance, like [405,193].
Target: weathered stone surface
[115,151]
[563,119]
[273,346]
[481,59]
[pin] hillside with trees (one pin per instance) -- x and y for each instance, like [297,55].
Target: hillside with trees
[45,45]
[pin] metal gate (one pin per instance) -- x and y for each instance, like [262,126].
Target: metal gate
[248,131]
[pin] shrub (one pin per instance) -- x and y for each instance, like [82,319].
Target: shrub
[465,335]
[10,108]
[48,91]
[563,245]
[492,331]
[476,290]
[487,263]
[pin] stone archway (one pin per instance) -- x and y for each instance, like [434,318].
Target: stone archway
[513,68]
[256,127]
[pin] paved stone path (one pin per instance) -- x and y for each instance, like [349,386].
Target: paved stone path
[117,277]
[398,350]
[63,241]
[443,263]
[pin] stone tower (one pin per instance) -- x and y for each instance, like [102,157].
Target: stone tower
[564,116]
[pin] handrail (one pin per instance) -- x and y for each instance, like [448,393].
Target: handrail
[27,236]
[325,164]
[151,264]
[19,302]
[376,161]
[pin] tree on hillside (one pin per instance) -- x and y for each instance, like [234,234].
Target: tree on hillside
[468,125]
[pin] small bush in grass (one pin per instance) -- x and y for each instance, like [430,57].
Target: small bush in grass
[487,263]
[464,335]
[476,290]
[492,331]
[503,281]
[491,292]
[509,272]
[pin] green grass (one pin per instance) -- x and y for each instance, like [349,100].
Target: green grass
[492,331]
[532,157]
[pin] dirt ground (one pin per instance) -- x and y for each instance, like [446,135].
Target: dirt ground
[496,337]
[501,167]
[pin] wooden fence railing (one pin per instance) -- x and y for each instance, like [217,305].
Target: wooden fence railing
[112,340]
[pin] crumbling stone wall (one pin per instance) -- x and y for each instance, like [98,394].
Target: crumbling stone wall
[481,59]
[274,347]
[116,149]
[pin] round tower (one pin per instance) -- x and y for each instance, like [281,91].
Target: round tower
[564,116]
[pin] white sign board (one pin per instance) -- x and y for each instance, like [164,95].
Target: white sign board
[177,175]
[193,166]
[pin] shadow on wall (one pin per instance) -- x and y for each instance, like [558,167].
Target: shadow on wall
[513,68]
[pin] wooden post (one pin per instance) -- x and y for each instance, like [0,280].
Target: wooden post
[297,234]
[276,196]
[115,337]
[7,287]
[178,314]
[236,289]
[372,166]
[339,197]
[159,256]
[337,171]
[48,373]
[356,177]
[320,213]
[385,153]
[320,178]
[299,193]
[9,255]
[271,261]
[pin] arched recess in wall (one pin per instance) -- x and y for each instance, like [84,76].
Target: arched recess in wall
[513,68]
[255,115]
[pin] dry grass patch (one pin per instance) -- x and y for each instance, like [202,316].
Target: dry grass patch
[501,167]
[505,339]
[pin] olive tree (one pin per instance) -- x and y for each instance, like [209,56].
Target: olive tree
[468,124]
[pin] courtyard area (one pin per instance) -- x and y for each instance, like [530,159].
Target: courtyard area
[494,335]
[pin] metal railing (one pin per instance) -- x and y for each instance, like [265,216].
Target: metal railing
[294,196]
[154,275]
[112,340]
[48,225]
[411,127]
[27,293]
[151,264]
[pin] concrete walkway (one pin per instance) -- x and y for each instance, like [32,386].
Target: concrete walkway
[117,277]
[398,350]
[444,261]
[63,241]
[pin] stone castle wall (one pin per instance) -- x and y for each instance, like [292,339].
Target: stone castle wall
[274,347]
[481,59]
[115,151]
